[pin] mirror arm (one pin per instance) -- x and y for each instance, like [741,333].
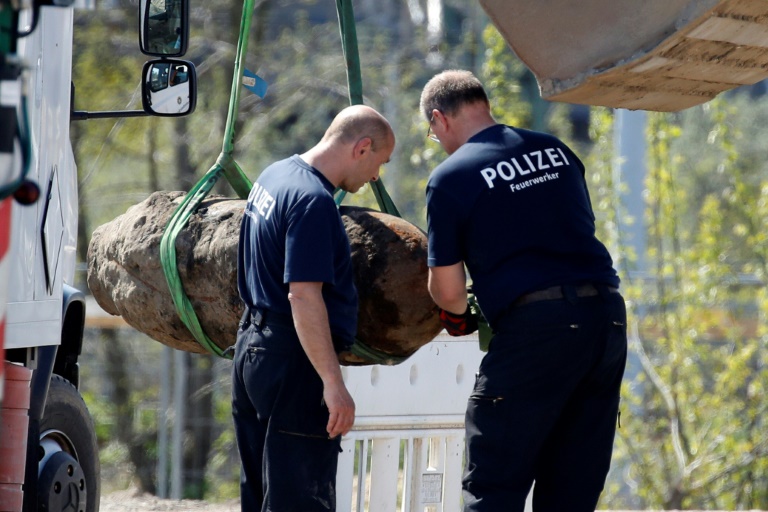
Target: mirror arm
[82,115]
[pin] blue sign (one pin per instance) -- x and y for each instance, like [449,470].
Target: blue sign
[254,83]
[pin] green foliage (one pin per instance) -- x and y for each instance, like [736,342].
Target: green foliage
[106,77]
[502,72]
[604,190]
[102,416]
[514,92]
[223,469]
[123,410]
[693,434]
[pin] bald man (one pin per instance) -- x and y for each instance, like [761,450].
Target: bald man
[289,402]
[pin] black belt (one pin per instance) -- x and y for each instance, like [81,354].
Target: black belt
[562,292]
[259,317]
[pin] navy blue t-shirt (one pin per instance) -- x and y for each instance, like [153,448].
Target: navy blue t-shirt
[292,232]
[513,205]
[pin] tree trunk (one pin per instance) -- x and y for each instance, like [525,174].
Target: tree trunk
[199,426]
[137,443]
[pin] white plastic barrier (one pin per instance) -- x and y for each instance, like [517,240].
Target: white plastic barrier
[406,451]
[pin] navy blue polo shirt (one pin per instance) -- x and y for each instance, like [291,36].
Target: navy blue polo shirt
[292,232]
[513,205]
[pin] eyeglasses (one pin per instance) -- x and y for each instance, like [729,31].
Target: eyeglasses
[431,136]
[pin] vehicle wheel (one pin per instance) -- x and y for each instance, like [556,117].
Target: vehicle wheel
[69,458]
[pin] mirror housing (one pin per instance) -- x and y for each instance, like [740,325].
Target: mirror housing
[164,27]
[169,87]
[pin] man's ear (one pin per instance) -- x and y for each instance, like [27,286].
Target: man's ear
[362,147]
[439,117]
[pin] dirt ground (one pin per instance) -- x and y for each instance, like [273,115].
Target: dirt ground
[132,501]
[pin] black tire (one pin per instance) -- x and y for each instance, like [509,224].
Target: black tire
[69,453]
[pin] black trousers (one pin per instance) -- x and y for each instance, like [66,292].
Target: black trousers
[288,462]
[544,407]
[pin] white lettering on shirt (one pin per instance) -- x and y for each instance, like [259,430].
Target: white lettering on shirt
[553,157]
[503,166]
[534,181]
[534,161]
[541,165]
[262,201]
[489,175]
[519,169]
[530,165]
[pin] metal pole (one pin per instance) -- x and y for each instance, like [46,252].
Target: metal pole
[630,169]
[162,427]
[177,448]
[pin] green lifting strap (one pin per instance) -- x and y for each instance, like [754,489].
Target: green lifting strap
[360,349]
[225,165]
[355,80]
[168,259]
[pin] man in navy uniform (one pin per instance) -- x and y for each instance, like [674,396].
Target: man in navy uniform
[512,206]
[289,402]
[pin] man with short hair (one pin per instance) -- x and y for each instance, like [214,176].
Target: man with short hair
[513,206]
[289,402]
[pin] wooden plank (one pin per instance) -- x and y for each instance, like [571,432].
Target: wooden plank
[647,65]
[721,53]
[700,49]
[754,10]
[667,84]
[615,97]
[733,31]
[714,72]
[662,102]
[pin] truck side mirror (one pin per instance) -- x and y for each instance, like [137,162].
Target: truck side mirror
[169,87]
[164,27]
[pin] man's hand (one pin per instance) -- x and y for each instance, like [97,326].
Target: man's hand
[458,325]
[341,408]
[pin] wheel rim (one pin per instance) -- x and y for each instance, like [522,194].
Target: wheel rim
[62,484]
[54,441]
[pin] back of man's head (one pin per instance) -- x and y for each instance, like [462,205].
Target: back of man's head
[449,91]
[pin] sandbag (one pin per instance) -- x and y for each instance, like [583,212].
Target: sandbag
[397,315]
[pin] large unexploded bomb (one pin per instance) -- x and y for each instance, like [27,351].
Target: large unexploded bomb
[397,315]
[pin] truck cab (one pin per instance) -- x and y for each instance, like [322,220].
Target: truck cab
[48,452]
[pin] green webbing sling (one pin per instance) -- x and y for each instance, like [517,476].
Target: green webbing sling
[226,165]
[355,81]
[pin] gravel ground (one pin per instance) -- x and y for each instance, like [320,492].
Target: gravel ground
[132,501]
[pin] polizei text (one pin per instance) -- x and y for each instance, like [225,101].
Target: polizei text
[527,163]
